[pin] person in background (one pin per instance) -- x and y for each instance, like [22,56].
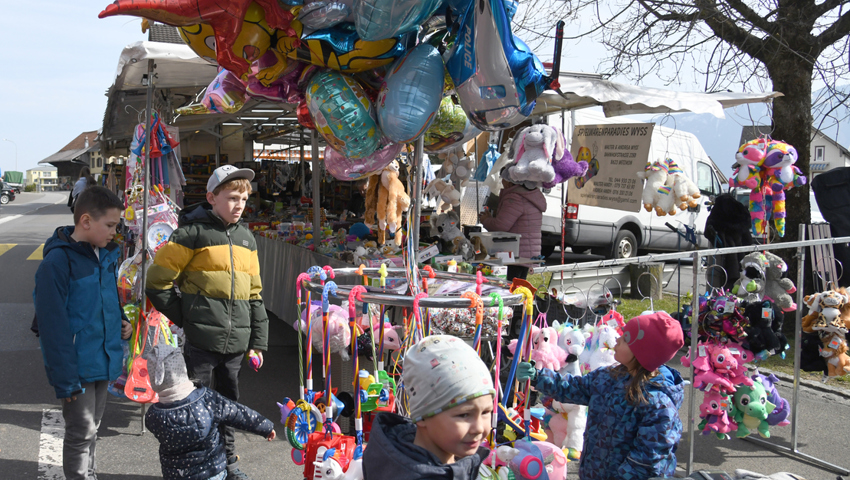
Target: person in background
[520,211]
[633,425]
[86,180]
[80,322]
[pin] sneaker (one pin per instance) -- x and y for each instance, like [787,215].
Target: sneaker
[236,474]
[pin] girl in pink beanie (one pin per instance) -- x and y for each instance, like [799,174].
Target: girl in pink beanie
[633,424]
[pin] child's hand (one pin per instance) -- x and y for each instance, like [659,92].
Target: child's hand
[255,359]
[126,329]
[271,436]
[526,371]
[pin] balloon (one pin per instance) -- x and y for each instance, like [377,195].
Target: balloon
[411,94]
[284,89]
[341,49]
[380,19]
[342,114]
[238,42]
[498,79]
[325,13]
[450,128]
[225,94]
[201,39]
[303,115]
[343,168]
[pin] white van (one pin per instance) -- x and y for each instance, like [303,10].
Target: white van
[618,233]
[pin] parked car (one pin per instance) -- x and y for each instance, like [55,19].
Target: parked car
[14,187]
[743,196]
[7,194]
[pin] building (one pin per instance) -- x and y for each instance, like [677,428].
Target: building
[44,178]
[79,152]
[826,153]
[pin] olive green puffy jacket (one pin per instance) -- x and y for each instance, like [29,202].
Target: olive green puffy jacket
[218,273]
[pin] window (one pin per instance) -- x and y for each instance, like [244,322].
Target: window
[706,181]
[820,154]
[99,162]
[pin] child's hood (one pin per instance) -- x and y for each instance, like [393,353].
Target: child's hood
[61,238]
[670,383]
[392,454]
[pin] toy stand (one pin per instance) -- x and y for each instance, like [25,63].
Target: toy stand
[822,243]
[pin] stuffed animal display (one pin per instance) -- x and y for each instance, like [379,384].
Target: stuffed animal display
[751,409]
[829,319]
[457,166]
[540,158]
[761,279]
[766,166]
[447,226]
[445,193]
[565,421]
[667,188]
[392,203]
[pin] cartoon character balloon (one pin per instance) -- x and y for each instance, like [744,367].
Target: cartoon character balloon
[343,114]
[380,19]
[348,169]
[225,94]
[411,95]
[450,128]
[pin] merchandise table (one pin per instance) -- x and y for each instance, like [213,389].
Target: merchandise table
[280,264]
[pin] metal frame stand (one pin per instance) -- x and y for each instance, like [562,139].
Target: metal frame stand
[697,255]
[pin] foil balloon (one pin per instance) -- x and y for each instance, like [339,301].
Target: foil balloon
[303,115]
[497,77]
[325,13]
[411,94]
[449,129]
[283,89]
[342,114]
[340,48]
[380,19]
[343,168]
[225,94]
[243,29]
[201,39]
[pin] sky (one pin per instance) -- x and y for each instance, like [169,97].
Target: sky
[57,68]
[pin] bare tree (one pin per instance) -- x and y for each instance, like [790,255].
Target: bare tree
[785,45]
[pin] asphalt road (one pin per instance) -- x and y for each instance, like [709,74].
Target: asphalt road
[124,453]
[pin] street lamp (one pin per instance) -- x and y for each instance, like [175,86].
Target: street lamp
[16,152]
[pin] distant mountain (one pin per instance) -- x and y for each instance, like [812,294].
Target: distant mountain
[720,137]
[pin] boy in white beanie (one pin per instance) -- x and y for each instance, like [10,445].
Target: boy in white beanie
[451,400]
[186,419]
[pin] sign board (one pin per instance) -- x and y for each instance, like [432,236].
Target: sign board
[615,154]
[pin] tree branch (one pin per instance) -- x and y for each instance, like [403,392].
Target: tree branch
[726,30]
[834,33]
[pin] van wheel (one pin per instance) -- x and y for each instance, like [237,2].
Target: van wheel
[547,250]
[625,245]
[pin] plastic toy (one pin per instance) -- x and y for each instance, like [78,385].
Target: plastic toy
[411,94]
[254,361]
[243,29]
[496,76]
[714,411]
[337,467]
[342,114]
[380,19]
[761,279]
[347,169]
[392,202]
[751,409]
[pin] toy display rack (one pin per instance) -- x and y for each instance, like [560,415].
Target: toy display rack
[697,255]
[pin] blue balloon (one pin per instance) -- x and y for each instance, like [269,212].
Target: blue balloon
[324,13]
[380,19]
[496,76]
[411,94]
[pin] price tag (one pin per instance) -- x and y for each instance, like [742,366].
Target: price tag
[708,387]
[734,351]
[728,307]
[613,323]
[767,313]
[835,343]
[702,351]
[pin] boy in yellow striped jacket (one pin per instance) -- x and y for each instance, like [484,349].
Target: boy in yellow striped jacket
[212,259]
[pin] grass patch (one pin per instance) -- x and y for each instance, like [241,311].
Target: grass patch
[630,308]
[786,366]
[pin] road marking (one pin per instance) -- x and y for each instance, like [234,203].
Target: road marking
[50,444]
[5,247]
[9,218]
[38,254]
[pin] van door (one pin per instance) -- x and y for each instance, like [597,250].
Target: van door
[709,188]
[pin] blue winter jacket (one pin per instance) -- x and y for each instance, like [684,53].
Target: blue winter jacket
[79,315]
[622,441]
[190,445]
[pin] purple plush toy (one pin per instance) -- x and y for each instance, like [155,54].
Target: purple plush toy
[779,415]
[566,167]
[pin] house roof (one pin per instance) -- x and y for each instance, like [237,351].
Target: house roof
[43,169]
[754,131]
[164,34]
[74,149]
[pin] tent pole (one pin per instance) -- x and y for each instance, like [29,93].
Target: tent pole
[693,352]
[416,194]
[317,195]
[146,170]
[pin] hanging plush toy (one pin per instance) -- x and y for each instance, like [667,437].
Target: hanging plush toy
[685,192]
[600,350]
[761,278]
[714,411]
[656,194]
[340,333]
[444,192]
[392,202]
[544,350]
[533,151]
[567,421]
[751,410]
[779,415]
[764,333]
[457,166]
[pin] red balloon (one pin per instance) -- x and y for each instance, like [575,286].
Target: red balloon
[304,115]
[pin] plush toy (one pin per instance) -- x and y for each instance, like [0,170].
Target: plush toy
[392,340]
[779,415]
[566,421]
[714,412]
[685,192]
[544,348]
[657,195]
[764,333]
[761,278]
[447,226]
[392,202]
[533,151]
[749,159]
[742,356]
[715,368]
[728,225]
[572,342]
[371,201]
[340,332]
[834,350]
[751,408]
[565,167]
[479,249]
[600,349]
[457,166]
[444,192]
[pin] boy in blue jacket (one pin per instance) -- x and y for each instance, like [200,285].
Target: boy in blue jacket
[633,425]
[81,323]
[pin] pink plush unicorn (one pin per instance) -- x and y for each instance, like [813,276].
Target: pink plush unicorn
[544,348]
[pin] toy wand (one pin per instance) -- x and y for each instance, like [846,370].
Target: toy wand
[352,322]
[330,288]
[383,272]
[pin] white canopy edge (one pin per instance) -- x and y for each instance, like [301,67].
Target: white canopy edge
[176,66]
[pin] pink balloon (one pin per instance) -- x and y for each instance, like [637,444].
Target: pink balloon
[284,89]
[343,168]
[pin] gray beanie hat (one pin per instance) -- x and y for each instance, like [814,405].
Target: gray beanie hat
[167,371]
[441,372]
